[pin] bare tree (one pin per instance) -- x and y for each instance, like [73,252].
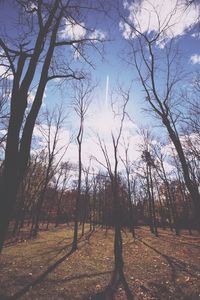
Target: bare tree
[50,132]
[161,95]
[148,159]
[86,207]
[36,53]
[118,273]
[161,172]
[190,130]
[128,166]
[81,101]
[65,176]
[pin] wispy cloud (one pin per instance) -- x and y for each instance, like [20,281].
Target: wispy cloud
[5,72]
[195,59]
[170,17]
[73,30]
[98,35]
[196,35]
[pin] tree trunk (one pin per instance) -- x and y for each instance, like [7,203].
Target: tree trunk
[76,215]
[191,186]
[153,203]
[9,183]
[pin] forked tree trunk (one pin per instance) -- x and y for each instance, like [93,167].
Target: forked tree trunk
[17,153]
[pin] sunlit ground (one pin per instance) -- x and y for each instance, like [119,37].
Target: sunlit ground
[166,267]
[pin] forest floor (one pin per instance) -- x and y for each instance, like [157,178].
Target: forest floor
[167,267]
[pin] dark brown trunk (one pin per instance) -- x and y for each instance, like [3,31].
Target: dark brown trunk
[9,184]
[77,208]
[191,186]
[149,201]
[153,204]
[15,161]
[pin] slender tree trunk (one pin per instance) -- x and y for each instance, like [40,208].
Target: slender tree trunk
[149,202]
[118,257]
[172,207]
[153,203]
[161,208]
[132,229]
[77,208]
[94,208]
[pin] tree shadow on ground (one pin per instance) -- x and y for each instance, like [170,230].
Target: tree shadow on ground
[110,291]
[162,291]
[50,269]
[39,279]
[81,276]
[174,263]
[176,266]
[55,251]
[178,242]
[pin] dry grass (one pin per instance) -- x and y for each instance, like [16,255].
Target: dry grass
[163,268]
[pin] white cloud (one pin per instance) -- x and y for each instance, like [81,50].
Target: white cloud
[97,34]
[2,70]
[77,54]
[126,30]
[5,73]
[4,66]
[195,59]
[170,150]
[168,167]
[95,123]
[91,148]
[31,97]
[63,138]
[32,6]
[169,16]
[102,120]
[196,35]
[78,31]
[73,30]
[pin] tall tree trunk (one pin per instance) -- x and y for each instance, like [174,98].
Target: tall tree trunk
[191,186]
[9,183]
[16,159]
[77,208]
[153,204]
[149,201]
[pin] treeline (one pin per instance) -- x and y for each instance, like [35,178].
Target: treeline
[150,191]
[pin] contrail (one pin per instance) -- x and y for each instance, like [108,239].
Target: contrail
[107,86]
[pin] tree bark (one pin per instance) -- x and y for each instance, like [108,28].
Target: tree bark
[191,186]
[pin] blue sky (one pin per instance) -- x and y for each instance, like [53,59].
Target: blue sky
[184,29]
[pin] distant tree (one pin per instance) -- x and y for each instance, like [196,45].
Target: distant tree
[29,191]
[86,198]
[64,174]
[128,165]
[51,135]
[81,101]
[162,174]
[149,166]
[190,130]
